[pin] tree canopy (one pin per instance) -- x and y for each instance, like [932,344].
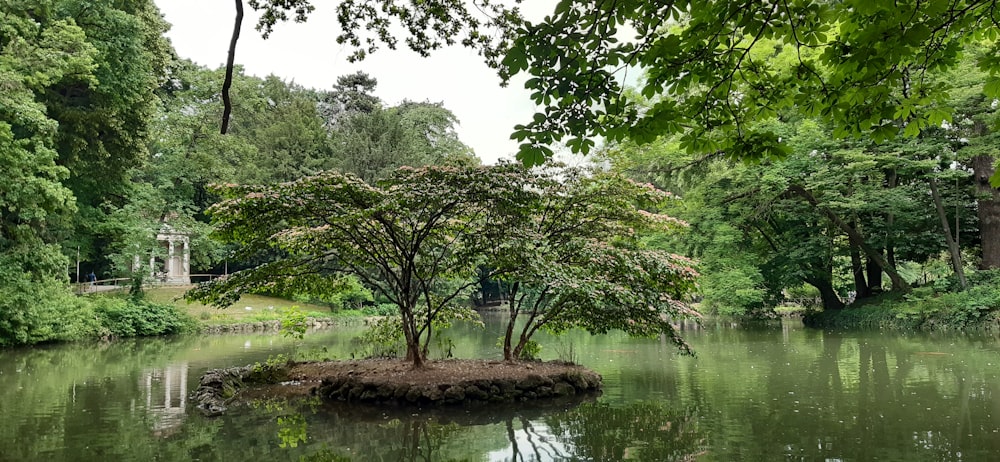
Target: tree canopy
[715,68]
[418,237]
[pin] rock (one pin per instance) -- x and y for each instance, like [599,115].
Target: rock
[563,389]
[534,381]
[454,394]
[476,393]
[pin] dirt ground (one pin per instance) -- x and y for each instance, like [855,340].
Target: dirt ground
[304,376]
[434,372]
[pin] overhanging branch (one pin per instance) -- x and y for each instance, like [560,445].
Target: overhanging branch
[227,104]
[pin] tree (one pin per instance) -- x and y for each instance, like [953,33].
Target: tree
[374,144]
[352,94]
[37,54]
[859,65]
[573,259]
[421,236]
[763,228]
[405,237]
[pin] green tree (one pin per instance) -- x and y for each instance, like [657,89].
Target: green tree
[37,54]
[374,144]
[352,94]
[859,65]
[571,257]
[405,237]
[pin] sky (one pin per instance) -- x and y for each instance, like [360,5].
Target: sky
[307,54]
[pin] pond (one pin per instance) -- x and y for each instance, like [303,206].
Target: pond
[779,392]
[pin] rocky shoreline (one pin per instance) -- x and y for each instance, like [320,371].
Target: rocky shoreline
[394,382]
[274,326]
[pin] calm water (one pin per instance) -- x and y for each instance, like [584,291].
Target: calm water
[777,393]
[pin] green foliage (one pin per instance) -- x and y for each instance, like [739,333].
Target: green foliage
[978,307]
[418,225]
[129,317]
[733,291]
[37,311]
[382,309]
[348,294]
[373,144]
[430,26]
[383,339]
[273,370]
[716,68]
[530,351]
[571,256]
[293,322]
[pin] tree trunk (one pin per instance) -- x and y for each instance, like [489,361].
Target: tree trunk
[858,269]
[829,297]
[897,281]
[228,81]
[514,308]
[953,250]
[874,276]
[412,342]
[892,180]
[989,211]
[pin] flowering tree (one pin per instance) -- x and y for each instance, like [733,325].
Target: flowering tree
[565,239]
[408,237]
[574,259]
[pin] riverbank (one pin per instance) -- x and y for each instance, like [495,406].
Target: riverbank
[110,315]
[976,308]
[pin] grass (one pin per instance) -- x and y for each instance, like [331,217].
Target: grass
[250,308]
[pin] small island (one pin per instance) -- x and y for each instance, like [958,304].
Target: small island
[563,243]
[395,382]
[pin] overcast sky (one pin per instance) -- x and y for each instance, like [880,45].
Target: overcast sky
[307,54]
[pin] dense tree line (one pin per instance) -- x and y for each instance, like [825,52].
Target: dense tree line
[870,128]
[106,135]
[848,219]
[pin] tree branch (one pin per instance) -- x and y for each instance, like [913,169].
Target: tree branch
[227,104]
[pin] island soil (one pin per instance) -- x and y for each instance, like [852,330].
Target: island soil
[304,379]
[433,373]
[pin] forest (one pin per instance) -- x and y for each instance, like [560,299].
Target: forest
[106,135]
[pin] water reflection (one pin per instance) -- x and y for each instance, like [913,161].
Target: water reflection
[581,429]
[752,393]
[166,392]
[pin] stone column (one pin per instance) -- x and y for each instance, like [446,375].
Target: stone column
[187,260]
[169,264]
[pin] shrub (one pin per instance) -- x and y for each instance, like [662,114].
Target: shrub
[382,309]
[129,317]
[37,311]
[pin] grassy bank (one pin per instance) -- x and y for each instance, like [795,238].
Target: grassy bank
[249,308]
[924,308]
[58,316]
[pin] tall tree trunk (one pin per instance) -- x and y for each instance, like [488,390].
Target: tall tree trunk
[953,250]
[989,211]
[829,297]
[892,180]
[897,281]
[227,104]
[874,275]
[514,308]
[858,270]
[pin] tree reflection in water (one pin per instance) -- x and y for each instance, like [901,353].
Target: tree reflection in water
[638,431]
[573,430]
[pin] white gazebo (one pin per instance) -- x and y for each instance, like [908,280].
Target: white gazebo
[175,255]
